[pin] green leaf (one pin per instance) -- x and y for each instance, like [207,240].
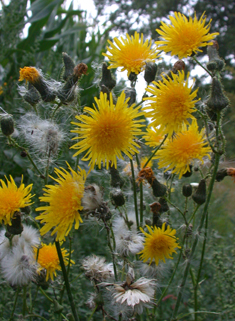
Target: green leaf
[42,9]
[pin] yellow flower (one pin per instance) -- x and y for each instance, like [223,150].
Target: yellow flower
[185,36]
[172,103]
[153,137]
[159,244]
[131,53]
[178,153]
[29,74]
[64,203]
[107,131]
[12,199]
[48,259]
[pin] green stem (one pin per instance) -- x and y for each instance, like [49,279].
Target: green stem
[200,268]
[35,315]
[158,147]
[66,280]
[108,228]
[179,297]
[76,163]
[195,59]
[24,300]
[55,110]
[135,193]
[172,275]
[187,314]
[14,306]
[46,295]
[195,211]
[92,313]
[141,195]
[179,210]
[14,143]
[47,168]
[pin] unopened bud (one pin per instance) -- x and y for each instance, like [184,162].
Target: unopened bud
[187,190]
[32,95]
[164,206]
[116,179]
[16,226]
[220,175]
[130,93]
[199,196]
[215,62]
[132,77]
[217,101]
[58,308]
[189,172]
[68,65]
[107,79]
[158,188]
[7,125]
[150,72]
[117,197]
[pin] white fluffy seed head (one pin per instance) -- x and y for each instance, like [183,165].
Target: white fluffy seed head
[97,269]
[92,198]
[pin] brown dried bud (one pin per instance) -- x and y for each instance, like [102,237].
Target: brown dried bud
[179,65]
[220,175]
[80,69]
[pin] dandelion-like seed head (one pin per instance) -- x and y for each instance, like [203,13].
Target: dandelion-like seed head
[48,259]
[96,268]
[107,131]
[130,53]
[185,36]
[187,146]
[30,74]
[13,198]
[64,201]
[172,103]
[159,244]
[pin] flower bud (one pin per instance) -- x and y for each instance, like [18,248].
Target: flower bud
[117,197]
[199,196]
[32,95]
[116,180]
[16,227]
[215,62]
[217,101]
[220,175]
[188,173]
[211,114]
[130,93]
[164,206]
[187,190]
[68,65]
[107,79]
[58,308]
[158,188]
[150,72]
[132,77]
[7,125]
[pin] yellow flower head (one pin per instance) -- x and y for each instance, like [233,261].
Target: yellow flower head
[172,103]
[107,131]
[48,259]
[30,74]
[185,36]
[178,153]
[131,53]
[153,137]
[159,244]
[12,199]
[64,201]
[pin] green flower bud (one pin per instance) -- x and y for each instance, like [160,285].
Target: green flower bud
[164,206]
[199,196]
[107,79]
[16,226]
[158,188]
[217,101]
[150,72]
[32,95]
[68,65]
[116,180]
[220,175]
[58,308]
[7,125]
[187,190]
[117,197]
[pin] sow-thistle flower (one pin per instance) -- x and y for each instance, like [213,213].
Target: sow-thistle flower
[172,103]
[131,53]
[13,198]
[153,137]
[159,244]
[187,146]
[185,36]
[48,259]
[107,131]
[64,203]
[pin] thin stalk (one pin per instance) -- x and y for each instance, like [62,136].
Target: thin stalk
[55,110]
[47,168]
[178,301]
[63,316]
[66,280]
[24,308]
[141,195]
[15,144]
[179,210]
[76,163]
[198,62]
[200,269]
[35,315]
[68,270]
[198,312]
[46,295]
[14,306]
[158,147]
[135,194]
[193,215]
[172,275]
